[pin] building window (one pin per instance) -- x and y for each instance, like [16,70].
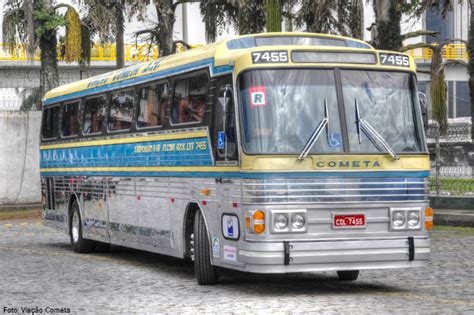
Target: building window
[463,100]
[435,22]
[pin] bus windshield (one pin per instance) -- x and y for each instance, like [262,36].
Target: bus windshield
[281,110]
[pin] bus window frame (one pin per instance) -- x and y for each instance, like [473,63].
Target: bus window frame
[109,110]
[164,120]
[83,114]
[173,81]
[79,120]
[341,106]
[43,116]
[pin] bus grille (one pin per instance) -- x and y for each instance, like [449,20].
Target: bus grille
[328,190]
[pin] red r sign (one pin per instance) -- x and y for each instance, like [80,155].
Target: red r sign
[258,96]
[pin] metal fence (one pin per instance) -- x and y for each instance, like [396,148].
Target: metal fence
[454,174]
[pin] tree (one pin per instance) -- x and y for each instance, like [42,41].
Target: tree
[273,11]
[444,6]
[342,17]
[386,31]
[35,24]
[438,91]
[106,19]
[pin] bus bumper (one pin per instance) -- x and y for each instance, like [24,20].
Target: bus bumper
[285,257]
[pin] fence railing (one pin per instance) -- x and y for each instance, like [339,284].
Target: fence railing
[454,174]
[453,51]
[106,52]
[99,52]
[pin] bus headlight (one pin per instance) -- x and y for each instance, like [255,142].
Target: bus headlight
[398,219]
[281,221]
[297,221]
[288,221]
[403,219]
[413,219]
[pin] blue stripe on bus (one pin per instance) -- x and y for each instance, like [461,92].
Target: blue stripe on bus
[141,79]
[389,175]
[177,152]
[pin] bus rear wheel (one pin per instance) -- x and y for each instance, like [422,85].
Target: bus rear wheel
[348,275]
[79,244]
[205,272]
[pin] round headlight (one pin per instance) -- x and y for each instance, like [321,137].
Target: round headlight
[281,221]
[398,219]
[413,218]
[297,221]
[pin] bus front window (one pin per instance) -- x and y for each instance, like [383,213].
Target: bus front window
[386,101]
[282,108]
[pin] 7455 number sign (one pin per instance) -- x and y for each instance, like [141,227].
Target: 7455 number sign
[394,60]
[280,56]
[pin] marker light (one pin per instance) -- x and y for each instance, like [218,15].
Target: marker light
[258,222]
[281,221]
[428,218]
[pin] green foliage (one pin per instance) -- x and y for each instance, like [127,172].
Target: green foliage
[457,186]
[388,32]
[273,10]
[47,21]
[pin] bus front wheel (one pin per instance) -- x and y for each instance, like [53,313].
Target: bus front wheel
[205,272]
[348,275]
[79,244]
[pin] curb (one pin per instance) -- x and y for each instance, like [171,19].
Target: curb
[464,218]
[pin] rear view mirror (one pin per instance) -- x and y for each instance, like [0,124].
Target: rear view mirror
[225,98]
[424,108]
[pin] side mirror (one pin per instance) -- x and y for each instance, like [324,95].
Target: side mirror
[424,108]
[225,98]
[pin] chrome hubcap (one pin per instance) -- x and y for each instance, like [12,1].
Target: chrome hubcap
[75,227]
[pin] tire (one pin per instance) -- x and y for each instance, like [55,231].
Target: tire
[79,244]
[348,275]
[205,272]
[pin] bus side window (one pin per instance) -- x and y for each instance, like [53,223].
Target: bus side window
[153,101]
[189,101]
[121,110]
[225,135]
[70,120]
[94,115]
[50,123]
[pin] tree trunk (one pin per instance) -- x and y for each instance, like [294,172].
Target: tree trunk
[166,19]
[437,159]
[119,37]
[49,63]
[387,25]
[470,66]
[273,10]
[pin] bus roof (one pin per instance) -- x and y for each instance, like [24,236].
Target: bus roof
[218,56]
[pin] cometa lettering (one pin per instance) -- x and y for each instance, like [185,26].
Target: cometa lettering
[348,164]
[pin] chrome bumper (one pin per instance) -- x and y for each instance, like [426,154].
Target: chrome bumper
[329,255]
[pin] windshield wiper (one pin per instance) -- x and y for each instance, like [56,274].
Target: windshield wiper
[372,134]
[316,133]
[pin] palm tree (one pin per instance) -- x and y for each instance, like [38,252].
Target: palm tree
[34,23]
[343,17]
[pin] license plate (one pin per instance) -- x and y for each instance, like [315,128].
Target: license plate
[348,220]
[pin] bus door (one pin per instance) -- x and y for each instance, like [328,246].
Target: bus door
[224,131]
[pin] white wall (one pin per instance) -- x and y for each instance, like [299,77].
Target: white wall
[19,158]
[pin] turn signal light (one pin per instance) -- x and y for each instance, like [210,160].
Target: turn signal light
[258,221]
[247,222]
[428,218]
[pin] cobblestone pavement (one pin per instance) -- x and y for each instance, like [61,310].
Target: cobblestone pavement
[38,269]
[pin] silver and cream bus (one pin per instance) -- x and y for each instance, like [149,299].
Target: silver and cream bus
[268,153]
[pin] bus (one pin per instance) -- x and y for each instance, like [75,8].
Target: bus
[264,153]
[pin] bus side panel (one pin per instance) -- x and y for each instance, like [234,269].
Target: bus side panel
[55,194]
